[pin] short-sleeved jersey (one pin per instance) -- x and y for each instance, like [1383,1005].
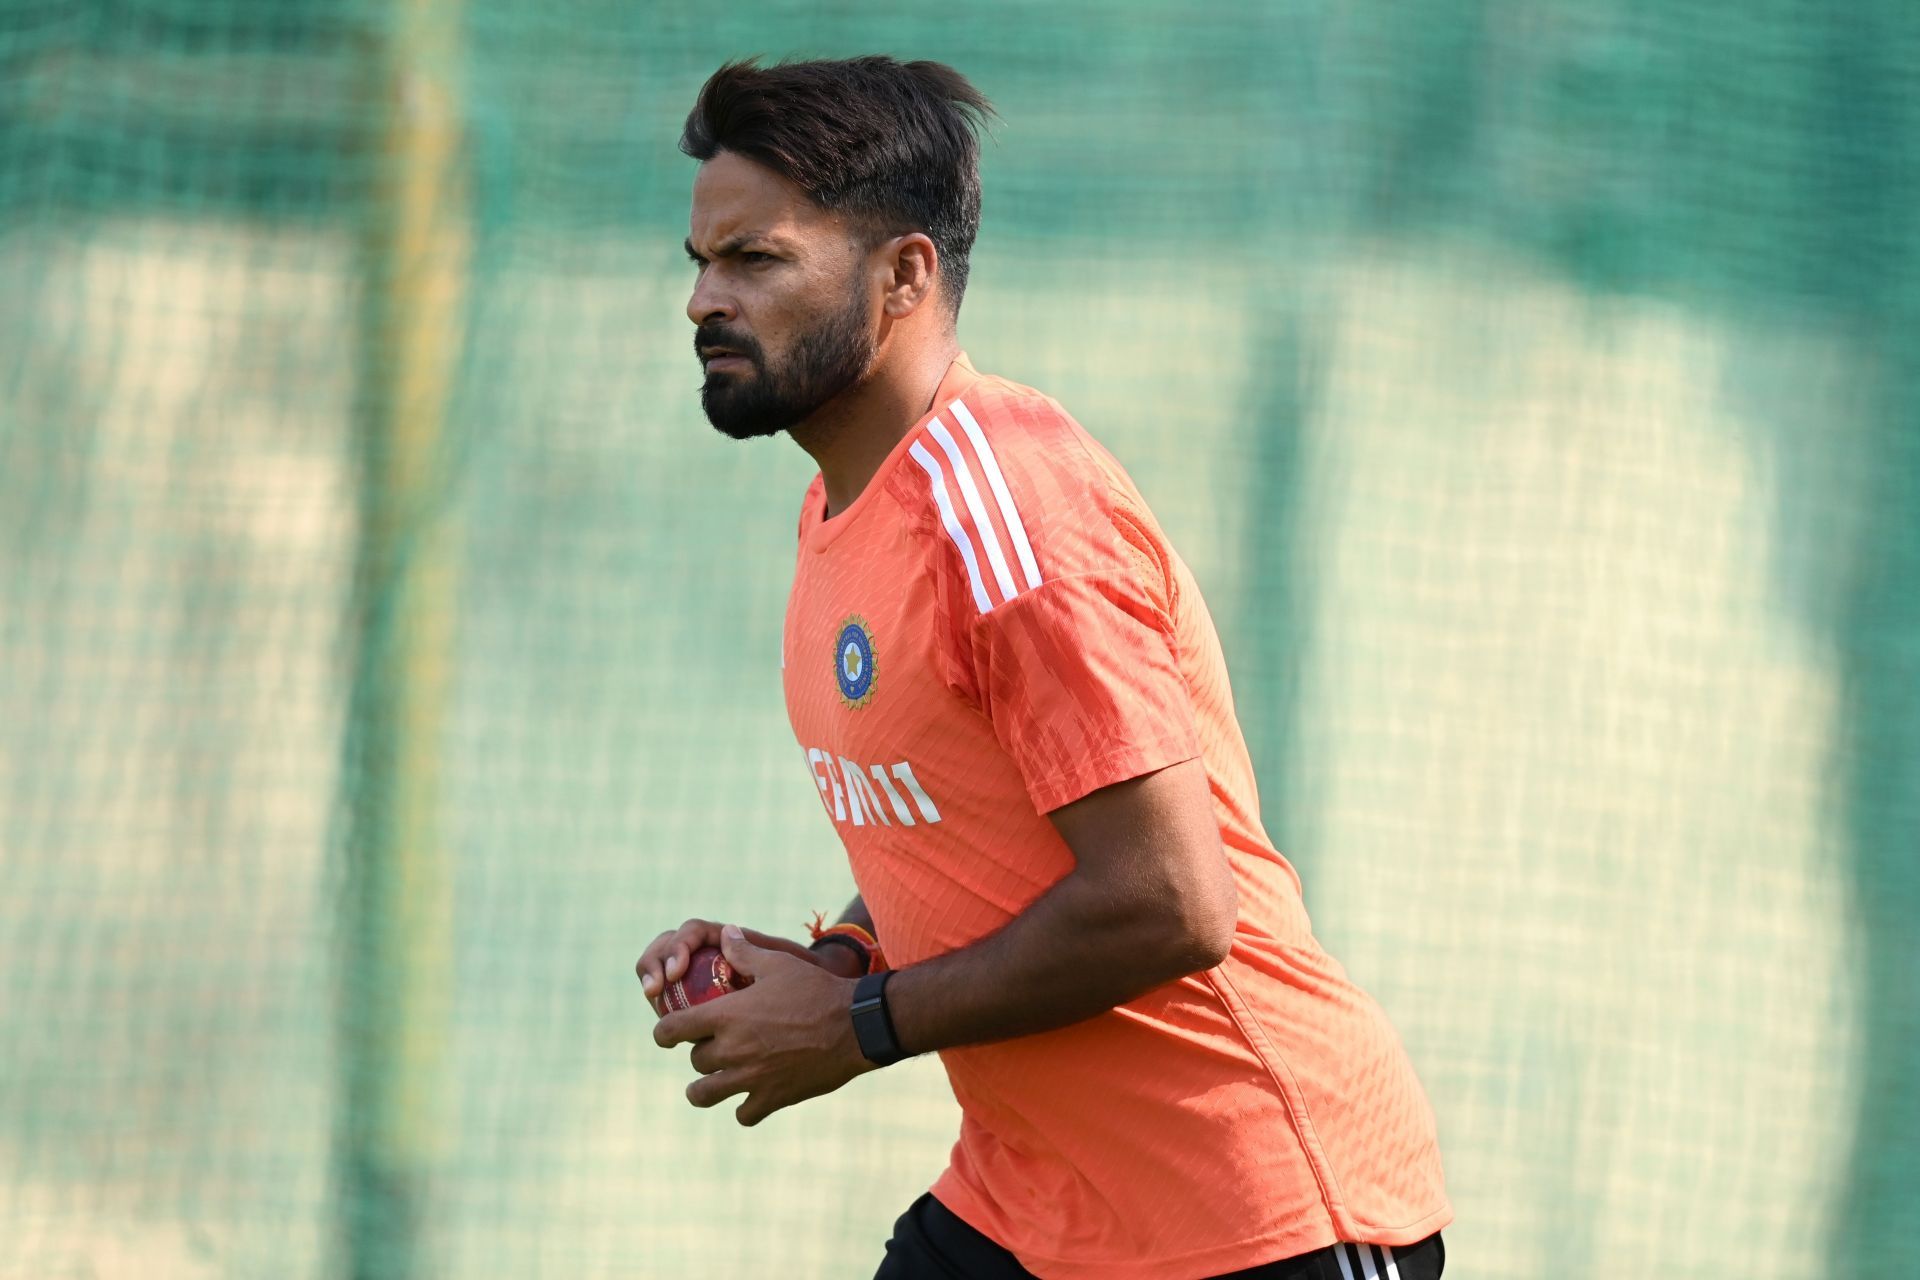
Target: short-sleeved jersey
[997,627]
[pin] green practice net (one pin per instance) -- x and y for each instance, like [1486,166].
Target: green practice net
[388,646]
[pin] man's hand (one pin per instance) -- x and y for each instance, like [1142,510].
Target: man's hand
[666,958]
[787,1038]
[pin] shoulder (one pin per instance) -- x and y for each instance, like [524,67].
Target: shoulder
[1015,493]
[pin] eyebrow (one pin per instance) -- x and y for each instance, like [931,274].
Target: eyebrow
[773,241]
[721,250]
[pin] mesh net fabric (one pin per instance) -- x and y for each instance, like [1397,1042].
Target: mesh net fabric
[1533,388]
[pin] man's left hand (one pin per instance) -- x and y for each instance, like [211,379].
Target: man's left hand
[786,1038]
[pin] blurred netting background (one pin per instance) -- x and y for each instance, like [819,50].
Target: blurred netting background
[388,646]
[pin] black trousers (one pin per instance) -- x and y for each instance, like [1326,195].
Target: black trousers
[931,1242]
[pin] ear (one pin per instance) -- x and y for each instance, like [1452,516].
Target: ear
[912,267]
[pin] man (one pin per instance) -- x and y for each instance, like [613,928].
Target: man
[1012,701]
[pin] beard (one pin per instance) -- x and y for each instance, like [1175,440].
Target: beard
[765,401]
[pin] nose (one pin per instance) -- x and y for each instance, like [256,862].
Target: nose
[710,303]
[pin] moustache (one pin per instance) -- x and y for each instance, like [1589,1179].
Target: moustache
[720,336]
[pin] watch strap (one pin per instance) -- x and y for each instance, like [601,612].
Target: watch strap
[872,1023]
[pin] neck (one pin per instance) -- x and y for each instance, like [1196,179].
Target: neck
[853,434]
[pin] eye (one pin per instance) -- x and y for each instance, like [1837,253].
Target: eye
[755,258]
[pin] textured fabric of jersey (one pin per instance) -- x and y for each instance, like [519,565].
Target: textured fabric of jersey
[996,627]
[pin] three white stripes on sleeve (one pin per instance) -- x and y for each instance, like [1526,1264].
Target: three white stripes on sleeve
[976,507]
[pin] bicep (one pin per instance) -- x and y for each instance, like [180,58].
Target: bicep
[1153,835]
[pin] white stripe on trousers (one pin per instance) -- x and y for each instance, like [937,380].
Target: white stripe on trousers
[1363,1253]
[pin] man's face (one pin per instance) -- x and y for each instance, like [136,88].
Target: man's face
[785,312]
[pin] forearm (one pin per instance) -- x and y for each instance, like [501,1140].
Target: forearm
[1079,950]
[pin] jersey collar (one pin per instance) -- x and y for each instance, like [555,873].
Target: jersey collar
[818,532]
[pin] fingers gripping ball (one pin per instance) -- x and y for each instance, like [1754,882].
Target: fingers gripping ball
[708,977]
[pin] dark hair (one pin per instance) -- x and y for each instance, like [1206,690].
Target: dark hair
[892,145]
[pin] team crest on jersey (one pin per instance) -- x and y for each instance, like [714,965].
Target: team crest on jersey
[853,662]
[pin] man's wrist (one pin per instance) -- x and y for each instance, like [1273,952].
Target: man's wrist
[873,1021]
[850,937]
[841,961]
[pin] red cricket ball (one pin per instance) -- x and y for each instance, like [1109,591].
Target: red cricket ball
[708,977]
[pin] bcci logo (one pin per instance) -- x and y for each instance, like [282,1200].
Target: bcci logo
[853,662]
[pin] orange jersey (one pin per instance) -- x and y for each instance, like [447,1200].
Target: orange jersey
[994,628]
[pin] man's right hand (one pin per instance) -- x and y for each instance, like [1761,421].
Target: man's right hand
[667,956]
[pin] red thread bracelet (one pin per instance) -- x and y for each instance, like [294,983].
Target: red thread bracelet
[850,936]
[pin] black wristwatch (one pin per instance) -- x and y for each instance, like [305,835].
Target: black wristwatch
[872,1025]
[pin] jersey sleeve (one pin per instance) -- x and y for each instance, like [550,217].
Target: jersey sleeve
[1075,667]
[1082,687]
